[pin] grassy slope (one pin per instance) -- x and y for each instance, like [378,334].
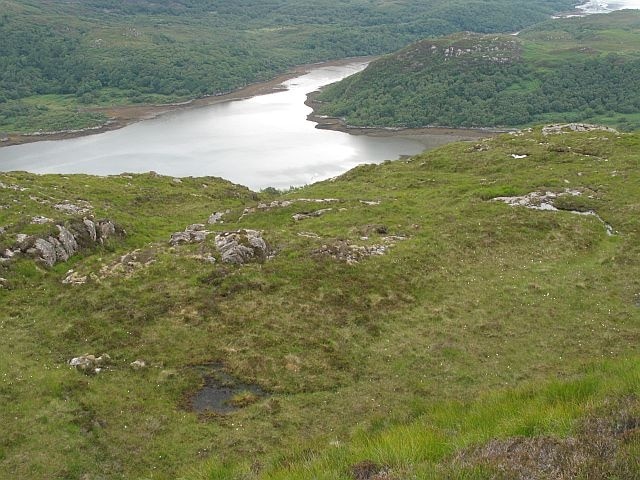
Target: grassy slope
[561,70]
[190,48]
[480,297]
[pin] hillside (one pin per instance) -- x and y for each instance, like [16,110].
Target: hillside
[423,318]
[61,60]
[566,70]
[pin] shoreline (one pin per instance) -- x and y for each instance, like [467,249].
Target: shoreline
[424,135]
[122,116]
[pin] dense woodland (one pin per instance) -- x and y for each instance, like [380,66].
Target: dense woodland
[96,53]
[582,69]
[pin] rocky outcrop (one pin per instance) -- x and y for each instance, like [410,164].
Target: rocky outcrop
[195,233]
[545,201]
[71,237]
[242,246]
[574,127]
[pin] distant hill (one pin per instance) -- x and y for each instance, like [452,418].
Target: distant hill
[575,69]
[60,58]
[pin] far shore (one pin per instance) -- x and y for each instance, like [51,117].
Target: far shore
[430,137]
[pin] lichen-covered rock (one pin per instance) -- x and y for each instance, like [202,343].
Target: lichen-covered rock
[61,253]
[67,240]
[105,229]
[215,217]
[241,246]
[91,229]
[46,251]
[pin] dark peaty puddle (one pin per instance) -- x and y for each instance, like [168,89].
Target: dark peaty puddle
[221,392]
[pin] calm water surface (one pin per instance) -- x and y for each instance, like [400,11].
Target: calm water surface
[258,142]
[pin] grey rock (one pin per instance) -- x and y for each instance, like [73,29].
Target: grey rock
[89,364]
[4,283]
[196,227]
[61,254]
[7,253]
[91,228]
[197,237]
[46,251]
[138,364]
[2,230]
[40,220]
[21,237]
[74,278]
[73,209]
[106,229]
[304,215]
[215,218]
[179,238]
[67,240]
[241,246]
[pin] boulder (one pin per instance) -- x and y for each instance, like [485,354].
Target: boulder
[46,251]
[67,240]
[195,233]
[138,364]
[89,364]
[215,217]
[21,238]
[105,229]
[61,253]
[241,246]
[179,238]
[91,228]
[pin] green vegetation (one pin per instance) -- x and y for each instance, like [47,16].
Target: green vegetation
[93,53]
[480,321]
[575,69]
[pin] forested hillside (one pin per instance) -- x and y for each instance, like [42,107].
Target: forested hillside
[575,69]
[61,57]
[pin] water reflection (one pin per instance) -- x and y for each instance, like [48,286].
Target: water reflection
[259,142]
